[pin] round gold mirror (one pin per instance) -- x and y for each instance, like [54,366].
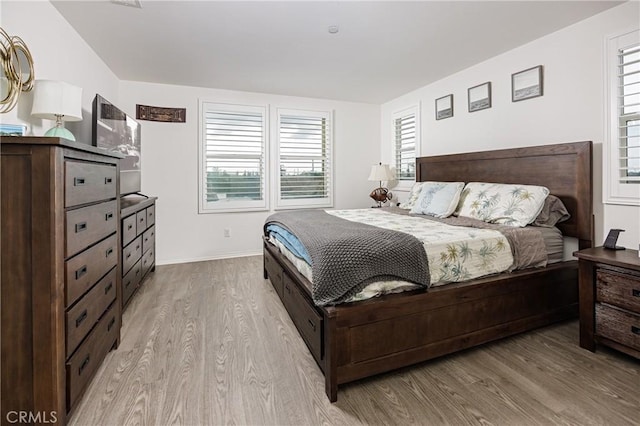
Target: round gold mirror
[16,70]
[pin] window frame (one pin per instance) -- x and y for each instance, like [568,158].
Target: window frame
[614,191]
[406,184]
[206,207]
[302,203]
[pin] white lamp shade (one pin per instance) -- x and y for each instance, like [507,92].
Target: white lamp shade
[57,98]
[381,172]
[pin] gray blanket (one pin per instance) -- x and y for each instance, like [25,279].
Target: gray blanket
[346,255]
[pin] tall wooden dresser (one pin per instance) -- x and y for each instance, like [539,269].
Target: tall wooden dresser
[60,297]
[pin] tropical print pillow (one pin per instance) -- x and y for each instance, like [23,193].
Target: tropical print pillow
[438,199]
[413,196]
[506,204]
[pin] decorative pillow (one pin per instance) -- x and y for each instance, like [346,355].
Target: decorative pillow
[413,196]
[553,212]
[438,199]
[506,204]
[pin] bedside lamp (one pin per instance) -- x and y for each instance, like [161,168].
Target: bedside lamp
[59,101]
[381,172]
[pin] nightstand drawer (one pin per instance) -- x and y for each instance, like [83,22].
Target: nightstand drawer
[147,261]
[151,215]
[619,289]
[141,222]
[128,229]
[82,317]
[148,239]
[130,282]
[88,182]
[131,254]
[87,225]
[618,325]
[86,268]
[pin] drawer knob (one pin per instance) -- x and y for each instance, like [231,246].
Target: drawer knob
[313,326]
[127,284]
[82,226]
[84,364]
[107,180]
[109,251]
[130,226]
[78,181]
[113,321]
[108,216]
[81,318]
[80,272]
[635,330]
[635,293]
[108,288]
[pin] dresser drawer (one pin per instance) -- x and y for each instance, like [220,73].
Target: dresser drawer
[87,225]
[88,182]
[86,268]
[86,360]
[618,325]
[618,288]
[151,215]
[147,261]
[304,316]
[84,314]
[141,222]
[148,239]
[130,282]
[128,229]
[131,254]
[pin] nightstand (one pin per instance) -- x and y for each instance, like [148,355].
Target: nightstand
[610,299]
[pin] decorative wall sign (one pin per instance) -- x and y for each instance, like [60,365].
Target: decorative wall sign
[13,130]
[444,107]
[479,97]
[167,115]
[526,84]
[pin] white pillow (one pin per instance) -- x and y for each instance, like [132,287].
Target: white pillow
[438,199]
[413,196]
[506,204]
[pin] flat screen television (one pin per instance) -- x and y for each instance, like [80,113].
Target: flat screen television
[115,131]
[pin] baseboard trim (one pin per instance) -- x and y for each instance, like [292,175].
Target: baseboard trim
[206,258]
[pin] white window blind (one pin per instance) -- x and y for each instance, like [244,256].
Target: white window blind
[304,159]
[406,133]
[629,114]
[233,151]
[621,183]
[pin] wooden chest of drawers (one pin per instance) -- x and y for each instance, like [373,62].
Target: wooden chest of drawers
[610,299]
[60,271]
[138,242]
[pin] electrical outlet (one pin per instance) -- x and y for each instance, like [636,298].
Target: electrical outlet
[227,232]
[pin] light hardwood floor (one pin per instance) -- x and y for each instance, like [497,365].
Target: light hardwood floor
[210,343]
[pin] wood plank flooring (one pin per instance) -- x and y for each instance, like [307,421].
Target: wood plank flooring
[210,343]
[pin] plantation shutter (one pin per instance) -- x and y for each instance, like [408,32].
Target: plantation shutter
[234,157]
[304,158]
[405,146]
[629,114]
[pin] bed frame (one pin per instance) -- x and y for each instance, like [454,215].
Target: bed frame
[357,340]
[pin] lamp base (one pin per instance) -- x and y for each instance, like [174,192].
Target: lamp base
[60,132]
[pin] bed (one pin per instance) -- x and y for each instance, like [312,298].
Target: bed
[356,340]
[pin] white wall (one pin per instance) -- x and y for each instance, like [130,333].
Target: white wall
[59,53]
[572,108]
[170,168]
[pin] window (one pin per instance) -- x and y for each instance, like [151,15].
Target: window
[622,176]
[406,137]
[304,159]
[232,158]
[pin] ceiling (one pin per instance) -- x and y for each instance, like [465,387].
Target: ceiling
[383,48]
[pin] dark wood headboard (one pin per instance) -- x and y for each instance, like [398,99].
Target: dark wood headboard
[566,169]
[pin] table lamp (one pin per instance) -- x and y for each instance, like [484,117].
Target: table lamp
[381,172]
[59,101]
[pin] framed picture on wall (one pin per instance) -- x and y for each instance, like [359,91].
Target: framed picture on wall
[444,107]
[479,97]
[526,84]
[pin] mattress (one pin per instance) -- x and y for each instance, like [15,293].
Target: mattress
[553,243]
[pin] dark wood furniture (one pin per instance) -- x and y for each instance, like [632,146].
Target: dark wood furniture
[138,242]
[60,272]
[358,340]
[610,299]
